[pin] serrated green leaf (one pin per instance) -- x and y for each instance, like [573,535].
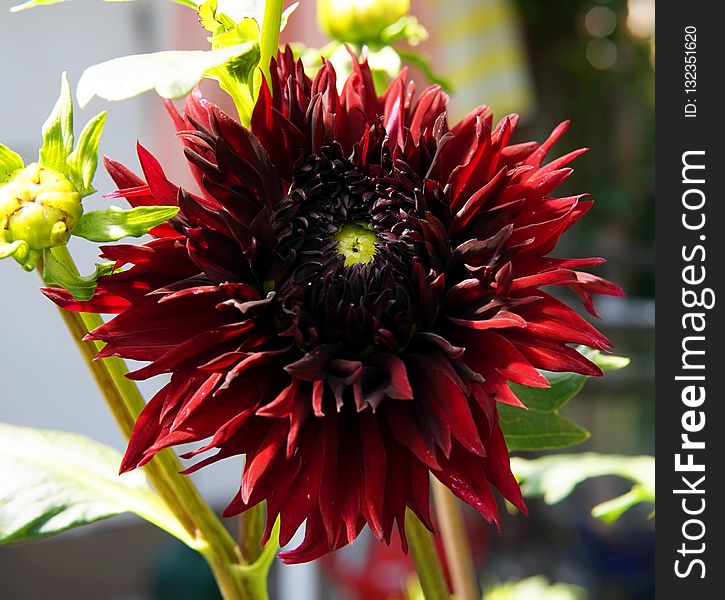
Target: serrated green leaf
[534,430]
[10,162]
[58,132]
[114,223]
[81,287]
[553,478]
[54,481]
[83,161]
[173,74]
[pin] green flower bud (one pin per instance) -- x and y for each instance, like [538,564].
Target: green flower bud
[359,21]
[40,207]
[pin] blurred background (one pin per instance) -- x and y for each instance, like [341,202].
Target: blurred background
[589,61]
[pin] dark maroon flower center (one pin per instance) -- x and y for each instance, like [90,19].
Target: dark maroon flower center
[334,209]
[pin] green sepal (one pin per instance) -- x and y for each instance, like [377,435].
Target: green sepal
[80,287]
[23,254]
[83,161]
[58,132]
[10,163]
[11,248]
[114,223]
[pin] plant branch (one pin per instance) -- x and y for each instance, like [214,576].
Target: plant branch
[455,542]
[269,38]
[251,530]
[206,533]
[425,558]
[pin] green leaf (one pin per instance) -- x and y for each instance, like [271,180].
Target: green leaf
[553,478]
[172,74]
[84,159]
[539,426]
[80,287]
[115,223]
[611,510]
[564,386]
[54,481]
[534,430]
[34,3]
[10,162]
[58,132]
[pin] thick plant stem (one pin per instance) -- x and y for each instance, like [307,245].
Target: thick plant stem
[204,531]
[251,530]
[425,558]
[455,543]
[269,39]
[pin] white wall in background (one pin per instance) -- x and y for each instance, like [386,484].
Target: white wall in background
[43,381]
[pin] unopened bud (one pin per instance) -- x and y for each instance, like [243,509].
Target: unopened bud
[359,21]
[40,207]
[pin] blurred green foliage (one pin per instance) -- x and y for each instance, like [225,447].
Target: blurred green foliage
[612,112]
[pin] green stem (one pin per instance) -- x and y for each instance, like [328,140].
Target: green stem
[251,530]
[205,532]
[269,38]
[455,542]
[425,558]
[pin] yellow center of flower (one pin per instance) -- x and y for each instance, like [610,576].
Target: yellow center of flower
[356,242]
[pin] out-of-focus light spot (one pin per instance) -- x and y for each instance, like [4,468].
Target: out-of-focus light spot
[602,53]
[641,18]
[600,21]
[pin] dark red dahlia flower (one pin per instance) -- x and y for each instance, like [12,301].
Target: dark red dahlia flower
[345,298]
